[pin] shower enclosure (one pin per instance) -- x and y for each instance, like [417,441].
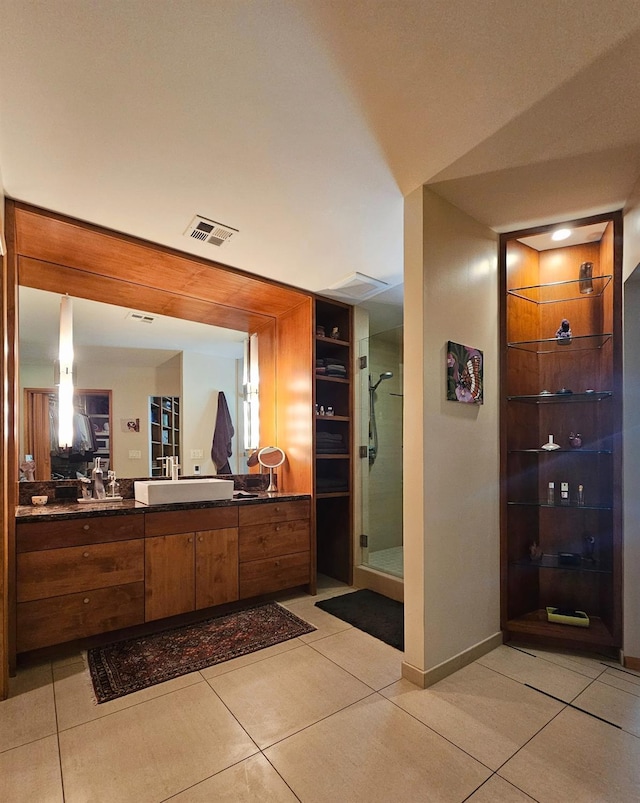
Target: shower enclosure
[381,416]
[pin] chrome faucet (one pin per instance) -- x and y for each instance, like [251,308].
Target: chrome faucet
[174,468]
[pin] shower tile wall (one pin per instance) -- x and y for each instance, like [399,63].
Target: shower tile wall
[385,475]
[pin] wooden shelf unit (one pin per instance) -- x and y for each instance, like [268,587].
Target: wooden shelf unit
[333,467]
[553,388]
[164,431]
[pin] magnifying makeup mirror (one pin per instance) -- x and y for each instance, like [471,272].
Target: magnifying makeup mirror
[271,457]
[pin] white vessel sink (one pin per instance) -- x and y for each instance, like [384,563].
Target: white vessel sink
[165,492]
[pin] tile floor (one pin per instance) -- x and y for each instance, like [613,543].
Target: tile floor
[388,560]
[327,717]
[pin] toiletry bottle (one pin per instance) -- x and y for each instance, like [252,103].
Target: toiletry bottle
[97,479]
[564,493]
[581,494]
[551,493]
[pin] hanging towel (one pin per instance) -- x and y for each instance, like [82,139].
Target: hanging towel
[222,434]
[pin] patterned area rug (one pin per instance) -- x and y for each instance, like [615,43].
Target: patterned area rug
[127,666]
[376,615]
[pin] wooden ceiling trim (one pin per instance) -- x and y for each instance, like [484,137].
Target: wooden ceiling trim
[52,238]
[79,283]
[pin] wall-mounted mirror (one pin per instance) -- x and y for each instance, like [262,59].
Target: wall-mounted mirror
[136,356]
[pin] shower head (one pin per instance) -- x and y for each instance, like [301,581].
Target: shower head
[383,376]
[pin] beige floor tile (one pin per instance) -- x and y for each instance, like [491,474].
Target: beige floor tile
[497,790]
[29,711]
[31,773]
[325,623]
[374,752]
[578,758]
[553,679]
[590,666]
[151,751]
[277,697]
[67,657]
[251,658]
[621,680]
[75,703]
[330,587]
[486,714]
[612,704]
[254,779]
[369,659]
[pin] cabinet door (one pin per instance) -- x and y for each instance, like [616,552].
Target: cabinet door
[169,575]
[216,567]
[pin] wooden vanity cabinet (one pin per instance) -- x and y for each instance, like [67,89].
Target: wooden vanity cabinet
[274,547]
[88,575]
[78,577]
[191,560]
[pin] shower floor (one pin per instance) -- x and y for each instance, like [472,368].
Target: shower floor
[389,561]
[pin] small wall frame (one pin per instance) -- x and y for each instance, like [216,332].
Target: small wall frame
[464,374]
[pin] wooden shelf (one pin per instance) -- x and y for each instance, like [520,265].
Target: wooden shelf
[339,380]
[590,359]
[334,508]
[535,623]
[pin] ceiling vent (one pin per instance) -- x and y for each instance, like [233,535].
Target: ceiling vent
[209,231]
[140,317]
[356,287]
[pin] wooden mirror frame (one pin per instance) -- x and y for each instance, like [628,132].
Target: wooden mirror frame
[52,252]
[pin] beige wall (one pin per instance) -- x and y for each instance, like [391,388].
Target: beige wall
[451,460]
[195,378]
[631,427]
[203,377]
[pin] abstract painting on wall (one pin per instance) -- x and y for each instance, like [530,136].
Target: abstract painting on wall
[464,374]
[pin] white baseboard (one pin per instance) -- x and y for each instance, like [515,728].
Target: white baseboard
[427,677]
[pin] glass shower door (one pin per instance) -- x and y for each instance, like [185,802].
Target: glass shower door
[381,395]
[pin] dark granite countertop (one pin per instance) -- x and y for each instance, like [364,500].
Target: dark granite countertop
[58,510]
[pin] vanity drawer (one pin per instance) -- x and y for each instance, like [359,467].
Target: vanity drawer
[189,521]
[44,622]
[273,574]
[272,540]
[55,572]
[33,536]
[274,511]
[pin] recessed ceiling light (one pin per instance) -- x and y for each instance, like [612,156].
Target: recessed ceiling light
[561,234]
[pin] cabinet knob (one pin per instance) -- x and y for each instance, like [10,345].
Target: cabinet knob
[200,538]
[86,600]
[277,509]
[85,554]
[277,528]
[189,540]
[85,526]
[277,562]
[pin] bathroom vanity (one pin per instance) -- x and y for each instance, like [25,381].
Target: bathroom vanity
[82,573]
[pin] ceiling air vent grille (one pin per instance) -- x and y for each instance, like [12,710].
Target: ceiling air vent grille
[209,231]
[140,317]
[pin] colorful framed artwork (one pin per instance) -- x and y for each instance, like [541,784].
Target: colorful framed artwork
[464,374]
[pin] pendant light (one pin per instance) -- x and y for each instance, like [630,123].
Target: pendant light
[65,379]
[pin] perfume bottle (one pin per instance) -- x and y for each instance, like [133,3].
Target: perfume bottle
[581,495]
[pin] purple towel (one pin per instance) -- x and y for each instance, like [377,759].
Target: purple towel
[222,434]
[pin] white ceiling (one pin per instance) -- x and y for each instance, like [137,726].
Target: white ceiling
[107,333]
[303,123]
